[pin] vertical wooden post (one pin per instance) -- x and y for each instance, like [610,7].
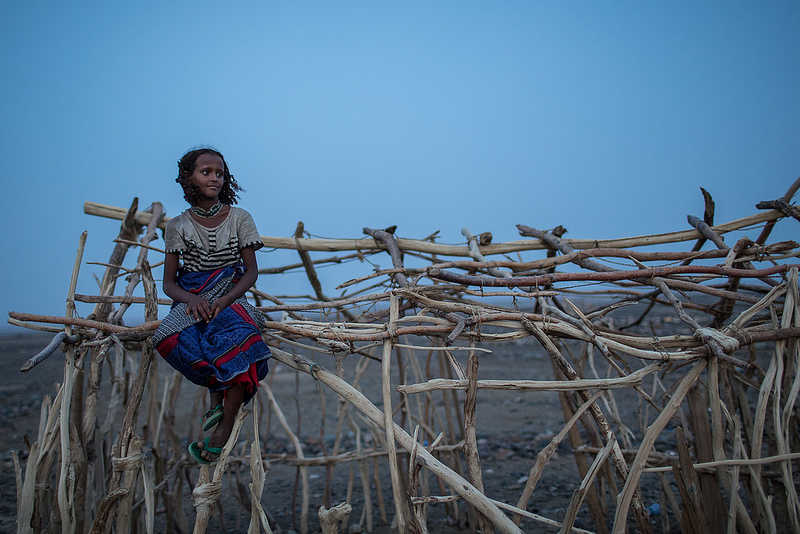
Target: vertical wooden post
[391,446]
[470,433]
[66,479]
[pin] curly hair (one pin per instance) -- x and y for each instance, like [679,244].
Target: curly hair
[186,165]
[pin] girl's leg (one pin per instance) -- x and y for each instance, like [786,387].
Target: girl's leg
[214,413]
[234,396]
[216,398]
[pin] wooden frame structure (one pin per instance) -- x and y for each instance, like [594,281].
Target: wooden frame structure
[725,388]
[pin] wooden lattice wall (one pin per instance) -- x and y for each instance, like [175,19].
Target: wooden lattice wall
[724,387]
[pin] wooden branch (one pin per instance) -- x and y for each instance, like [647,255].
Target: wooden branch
[787,197]
[258,477]
[298,447]
[138,244]
[630,380]
[150,235]
[329,519]
[715,238]
[617,459]
[308,264]
[707,232]
[69,456]
[471,455]
[708,218]
[476,254]
[209,489]
[782,206]
[547,452]
[573,257]
[292,266]
[712,343]
[128,231]
[693,517]
[692,286]
[388,426]
[628,496]
[374,414]
[86,323]
[741,462]
[564,247]
[639,274]
[388,241]
[751,412]
[128,444]
[337,245]
[585,487]
[312,273]
[122,299]
[51,347]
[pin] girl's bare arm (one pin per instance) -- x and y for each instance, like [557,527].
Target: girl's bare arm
[196,305]
[245,282]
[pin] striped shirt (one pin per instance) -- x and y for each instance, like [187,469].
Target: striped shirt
[207,249]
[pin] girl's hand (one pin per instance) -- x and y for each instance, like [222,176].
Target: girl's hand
[220,304]
[199,307]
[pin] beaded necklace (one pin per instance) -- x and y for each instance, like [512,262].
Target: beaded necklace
[207,214]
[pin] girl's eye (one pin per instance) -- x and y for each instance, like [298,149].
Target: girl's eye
[205,173]
[219,175]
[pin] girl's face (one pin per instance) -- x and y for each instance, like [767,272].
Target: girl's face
[209,176]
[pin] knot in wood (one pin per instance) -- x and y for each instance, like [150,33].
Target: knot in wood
[129,463]
[206,495]
[727,343]
[334,345]
[392,331]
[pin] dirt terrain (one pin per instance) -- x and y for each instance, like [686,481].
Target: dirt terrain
[512,428]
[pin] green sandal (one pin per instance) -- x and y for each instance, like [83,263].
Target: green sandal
[195,451]
[211,418]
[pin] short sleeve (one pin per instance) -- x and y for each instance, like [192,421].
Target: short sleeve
[248,233]
[173,240]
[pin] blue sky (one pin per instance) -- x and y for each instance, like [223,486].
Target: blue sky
[602,117]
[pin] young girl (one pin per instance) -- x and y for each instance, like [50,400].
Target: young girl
[211,335]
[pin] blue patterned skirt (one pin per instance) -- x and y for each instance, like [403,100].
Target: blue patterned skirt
[225,351]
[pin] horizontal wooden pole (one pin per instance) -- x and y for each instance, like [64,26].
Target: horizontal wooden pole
[122,299]
[612,276]
[85,323]
[427,247]
[633,379]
